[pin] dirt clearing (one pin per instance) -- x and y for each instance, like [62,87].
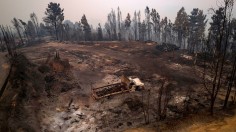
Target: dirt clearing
[69,71]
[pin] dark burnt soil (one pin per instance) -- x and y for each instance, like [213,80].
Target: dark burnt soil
[59,91]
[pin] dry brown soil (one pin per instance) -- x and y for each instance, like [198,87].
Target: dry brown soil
[70,107]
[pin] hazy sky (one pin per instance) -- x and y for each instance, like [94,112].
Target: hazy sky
[96,10]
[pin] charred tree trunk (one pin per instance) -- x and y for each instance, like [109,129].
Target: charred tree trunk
[220,54]
[143,107]
[7,40]
[18,31]
[232,76]
[55,26]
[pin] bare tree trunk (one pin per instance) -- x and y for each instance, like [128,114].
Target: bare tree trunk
[18,31]
[144,111]
[232,76]
[149,93]
[56,30]
[159,109]
[234,97]
[6,38]
[1,40]
[220,55]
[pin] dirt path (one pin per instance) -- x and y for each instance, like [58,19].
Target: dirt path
[4,69]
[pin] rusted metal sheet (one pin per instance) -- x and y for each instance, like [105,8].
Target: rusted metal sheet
[109,90]
[126,85]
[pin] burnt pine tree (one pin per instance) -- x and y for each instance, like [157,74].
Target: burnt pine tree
[215,28]
[18,28]
[25,28]
[169,33]
[143,30]
[135,26]
[155,17]
[181,26]
[127,21]
[42,29]
[79,31]
[111,20]
[31,30]
[54,16]
[108,30]
[231,79]
[9,40]
[219,48]
[34,19]
[233,29]
[197,25]
[233,71]
[139,25]
[100,37]
[164,24]
[147,14]
[86,28]
[127,24]
[119,22]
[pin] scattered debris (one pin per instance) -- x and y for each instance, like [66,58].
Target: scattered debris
[188,57]
[126,85]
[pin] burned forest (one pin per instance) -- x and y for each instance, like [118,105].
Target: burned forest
[139,71]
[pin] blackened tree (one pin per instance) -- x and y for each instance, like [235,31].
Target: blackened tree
[18,28]
[127,23]
[31,30]
[111,20]
[34,19]
[164,24]
[135,23]
[86,28]
[25,28]
[221,26]
[155,17]
[181,26]
[147,14]
[100,36]
[54,16]
[197,24]
[119,19]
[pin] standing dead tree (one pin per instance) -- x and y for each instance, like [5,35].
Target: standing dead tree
[163,99]
[25,29]
[9,40]
[119,19]
[34,19]
[218,54]
[230,83]
[2,47]
[18,28]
